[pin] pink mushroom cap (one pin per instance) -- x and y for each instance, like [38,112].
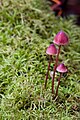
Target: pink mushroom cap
[61,68]
[61,38]
[51,50]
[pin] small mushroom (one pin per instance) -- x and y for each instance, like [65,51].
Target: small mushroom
[60,39]
[51,50]
[62,69]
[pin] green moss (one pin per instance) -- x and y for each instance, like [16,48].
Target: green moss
[27,27]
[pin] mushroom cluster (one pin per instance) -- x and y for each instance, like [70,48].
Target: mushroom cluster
[60,39]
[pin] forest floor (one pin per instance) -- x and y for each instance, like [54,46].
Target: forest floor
[27,27]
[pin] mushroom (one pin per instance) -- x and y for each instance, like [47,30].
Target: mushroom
[51,50]
[62,69]
[60,39]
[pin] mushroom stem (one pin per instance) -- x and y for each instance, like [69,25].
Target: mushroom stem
[48,71]
[58,85]
[54,69]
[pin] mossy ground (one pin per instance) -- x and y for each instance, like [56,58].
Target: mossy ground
[27,27]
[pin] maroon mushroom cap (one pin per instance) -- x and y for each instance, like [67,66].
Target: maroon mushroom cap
[51,50]
[61,38]
[61,68]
